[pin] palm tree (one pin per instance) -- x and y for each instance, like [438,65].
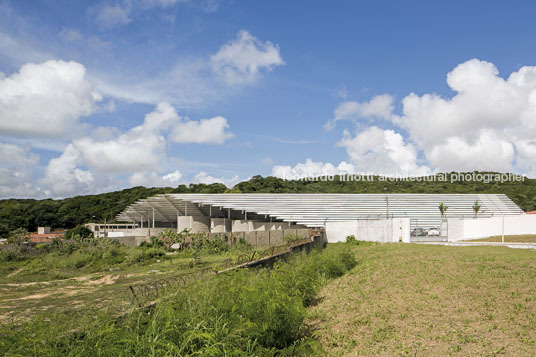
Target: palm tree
[476,208]
[443,209]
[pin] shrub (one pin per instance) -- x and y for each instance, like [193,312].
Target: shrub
[19,236]
[144,255]
[293,238]
[350,239]
[80,232]
[154,242]
[10,253]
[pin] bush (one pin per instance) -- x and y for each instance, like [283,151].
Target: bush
[96,253]
[19,236]
[202,243]
[351,239]
[10,253]
[144,255]
[81,232]
[154,242]
[293,238]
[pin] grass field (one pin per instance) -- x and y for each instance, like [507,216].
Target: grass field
[522,238]
[52,284]
[420,300]
[400,299]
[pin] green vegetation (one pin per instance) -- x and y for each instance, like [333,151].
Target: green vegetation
[521,238]
[476,208]
[443,209]
[75,211]
[241,312]
[423,300]
[71,212]
[69,273]
[79,231]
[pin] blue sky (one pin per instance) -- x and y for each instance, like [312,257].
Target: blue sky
[102,95]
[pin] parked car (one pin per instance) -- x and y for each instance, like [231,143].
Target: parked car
[418,232]
[433,232]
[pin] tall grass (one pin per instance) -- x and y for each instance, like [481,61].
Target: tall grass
[242,312]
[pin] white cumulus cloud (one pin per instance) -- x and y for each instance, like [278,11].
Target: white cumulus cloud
[205,131]
[203,177]
[311,168]
[152,179]
[64,177]
[242,60]
[481,126]
[487,152]
[380,106]
[16,165]
[141,148]
[382,152]
[46,99]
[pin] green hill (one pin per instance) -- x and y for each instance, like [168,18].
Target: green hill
[70,212]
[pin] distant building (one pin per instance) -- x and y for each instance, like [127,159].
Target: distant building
[44,235]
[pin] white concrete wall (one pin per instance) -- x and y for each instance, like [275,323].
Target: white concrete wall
[195,223]
[455,229]
[463,229]
[259,226]
[381,230]
[220,225]
[401,230]
[240,225]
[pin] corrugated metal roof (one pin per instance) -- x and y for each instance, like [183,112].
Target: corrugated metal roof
[314,210]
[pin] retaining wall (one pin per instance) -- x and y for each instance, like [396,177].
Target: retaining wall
[372,230]
[465,229]
[256,239]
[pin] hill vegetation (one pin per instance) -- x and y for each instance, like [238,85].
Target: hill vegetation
[70,212]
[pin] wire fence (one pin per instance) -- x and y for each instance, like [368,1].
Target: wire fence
[146,293]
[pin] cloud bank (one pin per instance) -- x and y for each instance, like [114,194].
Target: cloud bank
[488,124]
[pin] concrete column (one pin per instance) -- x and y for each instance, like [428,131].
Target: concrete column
[153,217]
[230,220]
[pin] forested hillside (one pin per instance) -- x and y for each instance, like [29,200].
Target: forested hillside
[70,212]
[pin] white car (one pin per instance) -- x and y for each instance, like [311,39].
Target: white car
[433,232]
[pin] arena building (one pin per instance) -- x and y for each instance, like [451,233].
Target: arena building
[391,216]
